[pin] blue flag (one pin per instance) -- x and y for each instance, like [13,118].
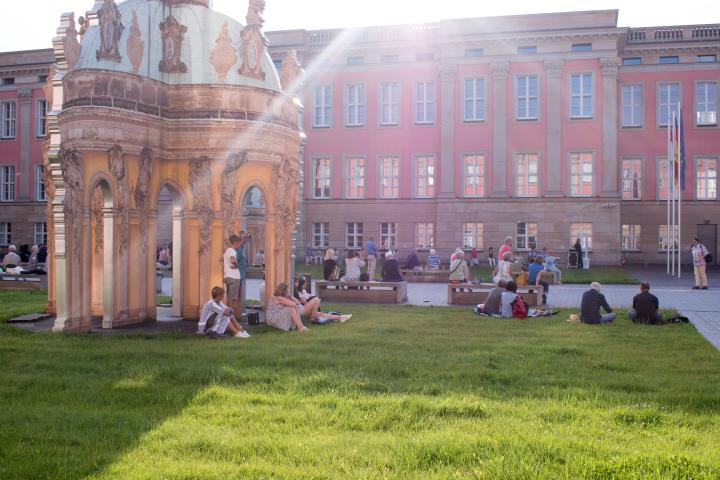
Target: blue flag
[682,150]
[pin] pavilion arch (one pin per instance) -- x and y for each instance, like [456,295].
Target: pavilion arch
[254,208]
[101,299]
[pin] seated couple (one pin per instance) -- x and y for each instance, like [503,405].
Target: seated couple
[501,300]
[216,318]
[285,312]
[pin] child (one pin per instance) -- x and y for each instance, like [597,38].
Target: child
[216,317]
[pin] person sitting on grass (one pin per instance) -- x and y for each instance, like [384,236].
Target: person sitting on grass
[285,312]
[216,318]
[311,305]
[592,301]
[507,298]
[646,307]
[433,261]
[535,274]
[391,269]
[494,299]
[459,270]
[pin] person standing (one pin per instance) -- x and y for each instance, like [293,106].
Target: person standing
[505,248]
[231,273]
[491,257]
[699,255]
[578,249]
[371,251]
[474,260]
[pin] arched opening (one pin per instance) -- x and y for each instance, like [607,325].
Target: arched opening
[168,251]
[254,208]
[102,237]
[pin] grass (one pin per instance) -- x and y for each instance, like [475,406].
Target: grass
[397,392]
[164,300]
[607,275]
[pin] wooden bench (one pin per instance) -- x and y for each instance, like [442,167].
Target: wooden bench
[457,294]
[11,281]
[362,292]
[425,276]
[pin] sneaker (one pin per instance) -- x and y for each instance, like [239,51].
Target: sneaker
[242,334]
[696,288]
[345,318]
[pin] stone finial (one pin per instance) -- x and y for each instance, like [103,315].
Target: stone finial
[254,16]
[290,70]
[66,45]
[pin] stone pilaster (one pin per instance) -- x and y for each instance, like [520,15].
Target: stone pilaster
[609,72]
[553,75]
[448,79]
[499,124]
[24,133]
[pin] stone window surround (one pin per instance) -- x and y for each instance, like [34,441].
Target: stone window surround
[11,181]
[324,234]
[313,177]
[593,97]
[357,233]
[346,104]
[40,125]
[415,158]
[642,178]
[696,162]
[380,177]
[426,101]
[5,233]
[429,234]
[515,159]
[516,99]
[592,152]
[658,85]
[642,105]
[39,182]
[717,103]
[582,235]
[484,155]
[328,119]
[395,101]
[11,120]
[634,231]
[475,235]
[392,233]
[346,176]
[464,80]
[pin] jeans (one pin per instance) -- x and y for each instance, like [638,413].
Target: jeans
[556,273]
[492,262]
[700,276]
[632,315]
[371,264]
[608,317]
[546,290]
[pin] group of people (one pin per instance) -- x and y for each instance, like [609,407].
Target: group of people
[357,260]
[12,262]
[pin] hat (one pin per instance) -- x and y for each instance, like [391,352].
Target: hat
[389,254]
[595,286]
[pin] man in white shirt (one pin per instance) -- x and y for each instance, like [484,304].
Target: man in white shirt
[231,273]
[216,317]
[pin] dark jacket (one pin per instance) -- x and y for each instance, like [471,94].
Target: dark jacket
[412,261]
[646,305]
[391,271]
[592,300]
[328,267]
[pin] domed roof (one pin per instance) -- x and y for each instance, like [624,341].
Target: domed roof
[210,51]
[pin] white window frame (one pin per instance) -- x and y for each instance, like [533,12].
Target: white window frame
[580,230]
[355,112]
[630,238]
[5,233]
[473,235]
[321,231]
[324,180]
[526,159]
[581,95]
[9,119]
[709,190]
[526,240]
[7,183]
[527,100]
[476,178]
[426,181]
[354,231]
[702,99]
[665,103]
[474,105]
[425,100]
[40,194]
[581,174]
[626,182]
[389,104]
[664,240]
[40,116]
[42,233]
[358,174]
[393,179]
[633,122]
[322,113]
[659,162]
[388,235]
[426,233]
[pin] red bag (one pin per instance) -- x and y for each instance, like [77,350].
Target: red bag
[518,308]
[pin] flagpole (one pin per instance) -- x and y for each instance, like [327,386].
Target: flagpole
[671,166]
[680,191]
[667,198]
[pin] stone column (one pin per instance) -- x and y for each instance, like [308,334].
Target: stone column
[109,264]
[25,132]
[609,71]
[448,78]
[553,74]
[499,72]
[177,263]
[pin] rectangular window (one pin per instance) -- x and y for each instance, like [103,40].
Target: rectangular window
[40,233]
[631,179]
[527,97]
[527,50]
[424,177]
[388,235]
[9,119]
[424,235]
[7,183]
[474,52]
[668,98]
[321,234]
[473,235]
[663,180]
[355,177]
[389,177]
[40,117]
[5,234]
[583,231]
[581,174]
[354,235]
[581,47]
[474,175]
[632,61]
[666,60]
[666,237]
[323,106]
[355,105]
[425,102]
[706,102]
[474,99]
[707,58]
[631,238]
[390,59]
[526,238]
[706,179]
[389,103]
[321,177]
[8,81]
[355,60]
[526,175]
[40,183]
[632,105]
[581,95]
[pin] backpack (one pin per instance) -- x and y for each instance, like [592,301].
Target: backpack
[708,258]
[518,308]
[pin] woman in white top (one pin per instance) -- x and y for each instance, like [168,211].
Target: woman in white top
[503,271]
[353,264]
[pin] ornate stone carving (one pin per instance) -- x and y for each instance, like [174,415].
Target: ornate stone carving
[284,187]
[142,191]
[199,180]
[98,221]
[290,70]
[609,66]
[173,34]
[553,68]
[135,45]
[49,195]
[224,56]
[111,29]
[71,45]
[117,167]
[499,70]
[253,41]
[228,191]
[254,16]
[71,166]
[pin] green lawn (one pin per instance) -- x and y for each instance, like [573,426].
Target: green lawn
[397,392]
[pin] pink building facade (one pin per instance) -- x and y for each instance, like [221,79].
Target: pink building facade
[546,128]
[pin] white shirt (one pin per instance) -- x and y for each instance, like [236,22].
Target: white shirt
[208,309]
[353,266]
[229,257]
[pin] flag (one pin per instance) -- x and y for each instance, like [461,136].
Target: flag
[675,151]
[681,141]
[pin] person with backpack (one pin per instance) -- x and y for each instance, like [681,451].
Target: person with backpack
[511,304]
[700,257]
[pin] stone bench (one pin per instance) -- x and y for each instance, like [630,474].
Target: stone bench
[457,294]
[11,281]
[362,292]
[425,276]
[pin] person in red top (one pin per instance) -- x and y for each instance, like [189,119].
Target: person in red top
[474,260]
[506,247]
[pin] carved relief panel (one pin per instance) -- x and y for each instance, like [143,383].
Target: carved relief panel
[71,166]
[228,195]
[111,29]
[199,180]
[135,45]
[224,56]
[118,169]
[173,34]
[253,41]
